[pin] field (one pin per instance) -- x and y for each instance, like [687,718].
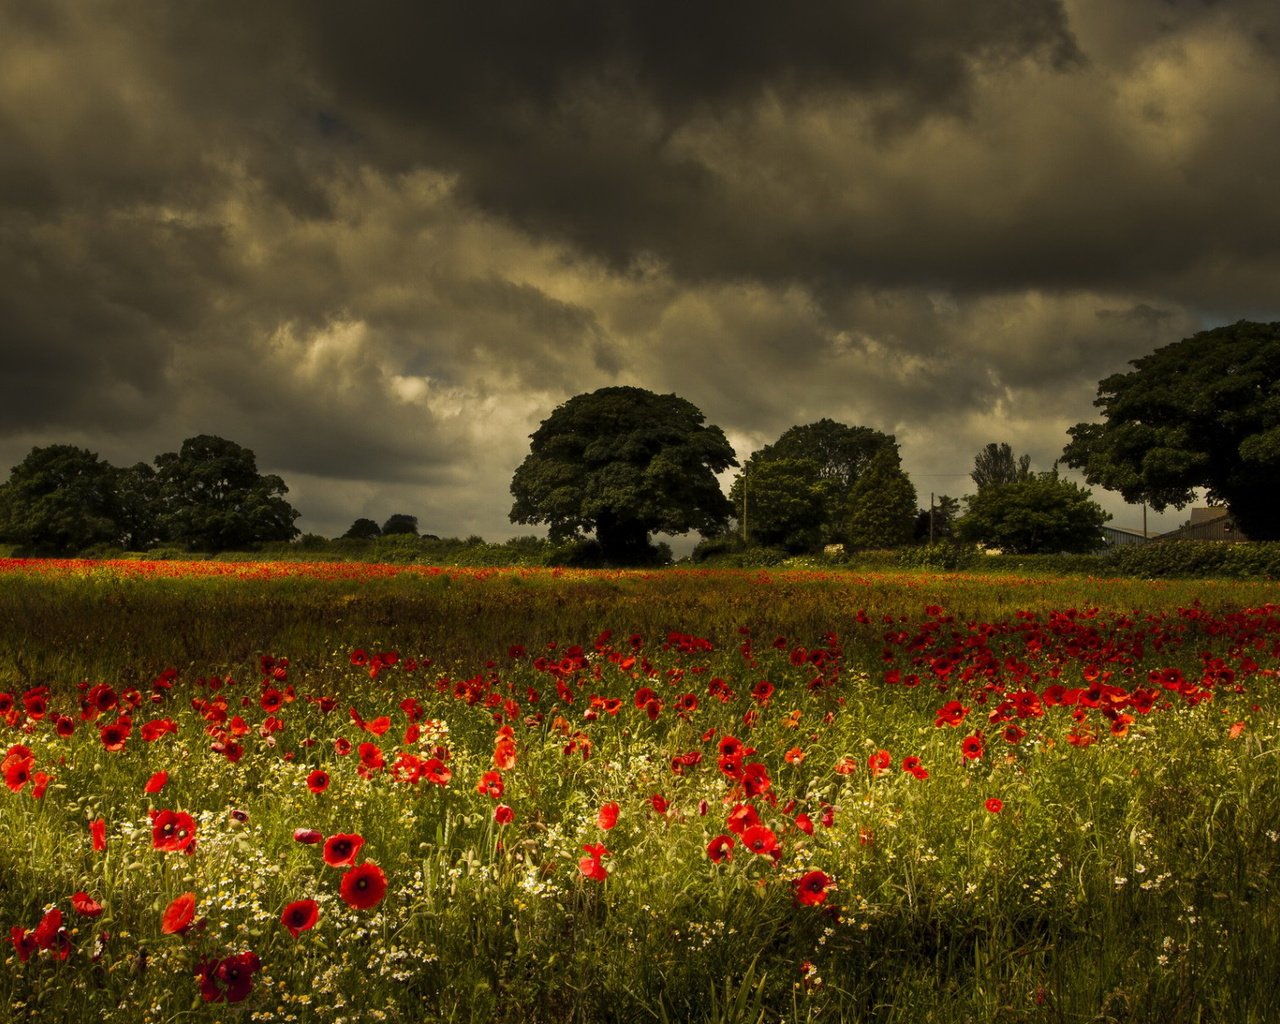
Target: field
[340,792]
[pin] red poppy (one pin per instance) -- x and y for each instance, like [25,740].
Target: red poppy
[174,831]
[229,979]
[971,747]
[590,865]
[607,816]
[659,803]
[156,782]
[491,785]
[24,943]
[306,835]
[318,781]
[340,850]
[436,771]
[811,888]
[995,805]
[879,762]
[115,735]
[85,905]
[720,849]
[504,753]
[760,839]
[503,814]
[952,713]
[179,914]
[300,915]
[98,831]
[363,886]
[741,818]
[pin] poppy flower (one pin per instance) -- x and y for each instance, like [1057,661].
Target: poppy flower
[24,943]
[363,886]
[741,818]
[229,979]
[98,832]
[179,914]
[971,747]
[115,735]
[879,762]
[306,835]
[340,850]
[300,915]
[491,785]
[504,753]
[760,839]
[811,888]
[156,782]
[995,805]
[85,905]
[607,816]
[590,865]
[720,849]
[503,814]
[173,831]
[318,781]
[436,771]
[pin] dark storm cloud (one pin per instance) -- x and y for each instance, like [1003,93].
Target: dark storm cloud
[379,243]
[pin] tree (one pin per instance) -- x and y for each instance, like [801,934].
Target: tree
[623,462]
[61,499]
[363,529]
[1201,412]
[881,509]
[400,523]
[138,489]
[996,464]
[840,451]
[937,523]
[1043,514]
[836,455]
[787,502]
[212,497]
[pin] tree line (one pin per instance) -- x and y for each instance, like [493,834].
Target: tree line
[615,466]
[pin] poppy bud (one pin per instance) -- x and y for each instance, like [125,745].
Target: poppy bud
[306,835]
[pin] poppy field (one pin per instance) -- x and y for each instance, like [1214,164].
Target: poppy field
[340,793]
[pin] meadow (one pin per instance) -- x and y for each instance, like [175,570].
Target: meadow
[342,792]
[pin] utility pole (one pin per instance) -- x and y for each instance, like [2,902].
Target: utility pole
[744,504]
[931,517]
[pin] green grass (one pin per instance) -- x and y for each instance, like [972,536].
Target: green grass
[1132,879]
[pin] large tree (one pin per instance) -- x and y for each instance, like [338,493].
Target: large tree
[784,501]
[1039,515]
[1203,412]
[61,499]
[623,462]
[212,497]
[816,503]
[881,508]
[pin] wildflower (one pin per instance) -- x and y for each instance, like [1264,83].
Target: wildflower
[503,814]
[340,850]
[299,916]
[179,914]
[156,782]
[995,805]
[229,979]
[590,865]
[306,835]
[759,839]
[363,886]
[811,888]
[318,780]
[85,905]
[491,785]
[607,816]
[971,747]
[173,831]
[98,833]
[720,849]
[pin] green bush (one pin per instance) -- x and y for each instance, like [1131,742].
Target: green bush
[1197,559]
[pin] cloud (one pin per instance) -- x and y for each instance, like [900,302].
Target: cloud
[379,245]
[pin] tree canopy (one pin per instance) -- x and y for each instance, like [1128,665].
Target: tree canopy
[623,462]
[804,510]
[61,499]
[881,507]
[212,497]
[1039,515]
[996,464]
[400,522]
[1203,412]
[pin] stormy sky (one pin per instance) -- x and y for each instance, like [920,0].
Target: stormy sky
[378,243]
